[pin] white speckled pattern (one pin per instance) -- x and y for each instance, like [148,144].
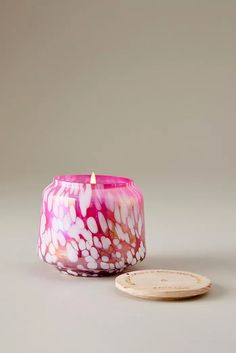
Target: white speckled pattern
[91,229]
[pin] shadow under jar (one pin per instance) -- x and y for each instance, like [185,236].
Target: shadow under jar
[92,229]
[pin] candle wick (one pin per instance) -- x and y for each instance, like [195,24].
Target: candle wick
[93,178]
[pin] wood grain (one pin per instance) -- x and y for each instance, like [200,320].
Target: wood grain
[163,284]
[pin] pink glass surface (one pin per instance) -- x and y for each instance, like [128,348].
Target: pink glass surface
[92,229]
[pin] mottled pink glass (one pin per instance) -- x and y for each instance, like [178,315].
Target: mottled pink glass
[92,229]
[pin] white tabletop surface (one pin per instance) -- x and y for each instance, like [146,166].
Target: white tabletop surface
[43,311]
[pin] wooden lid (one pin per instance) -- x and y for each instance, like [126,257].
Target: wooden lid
[162,284]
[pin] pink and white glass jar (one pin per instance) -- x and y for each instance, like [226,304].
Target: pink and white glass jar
[92,226]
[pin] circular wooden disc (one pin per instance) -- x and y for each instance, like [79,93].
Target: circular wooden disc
[162,284]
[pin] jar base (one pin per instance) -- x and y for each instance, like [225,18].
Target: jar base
[81,273]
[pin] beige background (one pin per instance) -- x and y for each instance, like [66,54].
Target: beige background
[144,89]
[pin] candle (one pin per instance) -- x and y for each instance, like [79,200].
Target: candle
[92,225]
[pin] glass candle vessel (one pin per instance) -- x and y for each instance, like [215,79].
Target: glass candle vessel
[92,229]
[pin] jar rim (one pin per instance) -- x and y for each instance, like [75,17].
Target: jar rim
[101,180]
